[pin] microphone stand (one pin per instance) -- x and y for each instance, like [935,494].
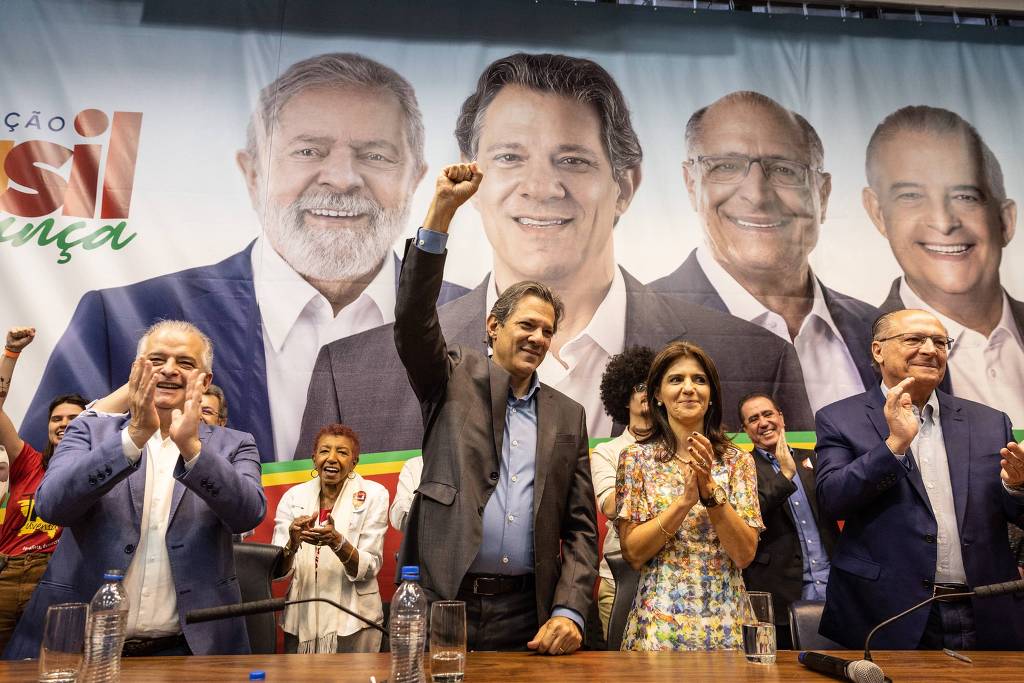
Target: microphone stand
[343,609]
[263,606]
[867,641]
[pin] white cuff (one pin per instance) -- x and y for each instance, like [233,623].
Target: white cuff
[131,451]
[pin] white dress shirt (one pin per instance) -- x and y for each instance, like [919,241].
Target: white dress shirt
[604,463]
[152,599]
[408,482]
[297,321]
[584,357]
[987,370]
[929,451]
[829,371]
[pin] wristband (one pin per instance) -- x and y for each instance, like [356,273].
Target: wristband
[11,354]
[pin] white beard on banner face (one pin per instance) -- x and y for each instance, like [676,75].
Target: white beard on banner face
[336,253]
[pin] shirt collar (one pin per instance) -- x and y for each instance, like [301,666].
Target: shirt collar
[1006,324]
[933,401]
[606,328]
[530,393]
[282,294]
[742,303]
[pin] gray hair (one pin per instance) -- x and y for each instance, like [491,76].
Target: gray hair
[812,141]
[335,70]
[510,298]
[578,79]
[218,393]
[937,121]
[180,326]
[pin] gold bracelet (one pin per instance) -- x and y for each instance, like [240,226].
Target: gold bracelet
[668,536]
[350,554]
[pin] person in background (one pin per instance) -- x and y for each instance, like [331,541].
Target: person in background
[332,531]
[624,395]
[687,512]
[26,541]
[408,482]
[214,409]
[792,559]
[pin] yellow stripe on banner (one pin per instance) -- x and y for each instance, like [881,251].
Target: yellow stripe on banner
[299,476]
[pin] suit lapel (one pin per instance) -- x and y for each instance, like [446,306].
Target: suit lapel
[696,286]
[499,381]
[179,489]
[807,477]
[546,429]
[956,439]
[875,403]
[856,335]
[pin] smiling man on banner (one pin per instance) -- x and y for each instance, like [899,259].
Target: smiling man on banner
[562,163]
[936,193]
[754,174]
[333,155]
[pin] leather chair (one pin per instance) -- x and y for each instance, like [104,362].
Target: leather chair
[256,565]
[804,616]
[627,580]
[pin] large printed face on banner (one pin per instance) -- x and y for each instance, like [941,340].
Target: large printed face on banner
[753,225]
[549,199]
[933,202]
[333,189]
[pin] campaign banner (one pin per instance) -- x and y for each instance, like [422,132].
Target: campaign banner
[764,187]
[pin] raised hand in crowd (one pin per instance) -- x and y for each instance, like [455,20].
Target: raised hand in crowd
[787,465]
[141,402]
[455,185]
[18,338]
[899,415]
[184,429]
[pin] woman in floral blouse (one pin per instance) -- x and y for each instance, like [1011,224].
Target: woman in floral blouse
[688,515]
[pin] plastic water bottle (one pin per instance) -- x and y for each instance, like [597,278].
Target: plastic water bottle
[408,629]
[104,638]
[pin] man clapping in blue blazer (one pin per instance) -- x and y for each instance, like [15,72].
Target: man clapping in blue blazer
[926,483]
[157,494]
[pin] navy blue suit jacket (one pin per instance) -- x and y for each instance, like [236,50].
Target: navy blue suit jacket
[92,490]
[885,559]
[95,355]
[852,317]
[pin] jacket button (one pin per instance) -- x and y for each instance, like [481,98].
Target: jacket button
[494,476]
[204,482]
[108,470]
[929,538]
[927,583]
[129,549]
[92,480]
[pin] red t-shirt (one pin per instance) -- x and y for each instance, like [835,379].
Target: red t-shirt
[22,531]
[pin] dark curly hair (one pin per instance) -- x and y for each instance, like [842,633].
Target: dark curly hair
[625,370]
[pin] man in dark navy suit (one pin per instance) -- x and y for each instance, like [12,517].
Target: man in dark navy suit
[333,155]
[926,483]
[754,173]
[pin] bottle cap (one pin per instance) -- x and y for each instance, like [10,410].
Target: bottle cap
[113,575]
[411,572]
[257,676]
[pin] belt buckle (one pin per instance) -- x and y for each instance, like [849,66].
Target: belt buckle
[940,592]
[476,586]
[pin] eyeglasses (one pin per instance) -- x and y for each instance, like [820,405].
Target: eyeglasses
[731,170]
[912,340]
[640,388]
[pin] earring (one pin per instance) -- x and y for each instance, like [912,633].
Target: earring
[352,475]
[314,474]
[659,403]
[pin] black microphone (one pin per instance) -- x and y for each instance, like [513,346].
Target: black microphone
[244,609]
[989,591]
[857,671]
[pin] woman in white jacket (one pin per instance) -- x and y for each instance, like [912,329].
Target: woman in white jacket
[332,530]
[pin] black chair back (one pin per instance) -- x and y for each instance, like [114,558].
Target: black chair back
[626,581]
[804,616]
[256,565]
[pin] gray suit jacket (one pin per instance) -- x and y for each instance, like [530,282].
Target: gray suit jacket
[92,490]
[354,378]
[462,395]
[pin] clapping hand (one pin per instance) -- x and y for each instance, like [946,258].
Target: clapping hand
[899,414]
[1012,464]
[701,456]
[324,535]
[784,457]
[184,431]
[141,404]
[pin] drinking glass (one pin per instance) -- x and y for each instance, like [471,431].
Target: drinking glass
[63,646]
[759,628]
[447,641]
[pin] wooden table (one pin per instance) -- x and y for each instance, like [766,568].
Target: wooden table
[582,667]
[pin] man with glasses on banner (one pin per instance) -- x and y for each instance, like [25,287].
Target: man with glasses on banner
[926,483]
[562,163]
[935,191]
[754,175]
[334,152]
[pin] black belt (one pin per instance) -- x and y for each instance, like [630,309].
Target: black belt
[145,647]
[940,590]
[495,584]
